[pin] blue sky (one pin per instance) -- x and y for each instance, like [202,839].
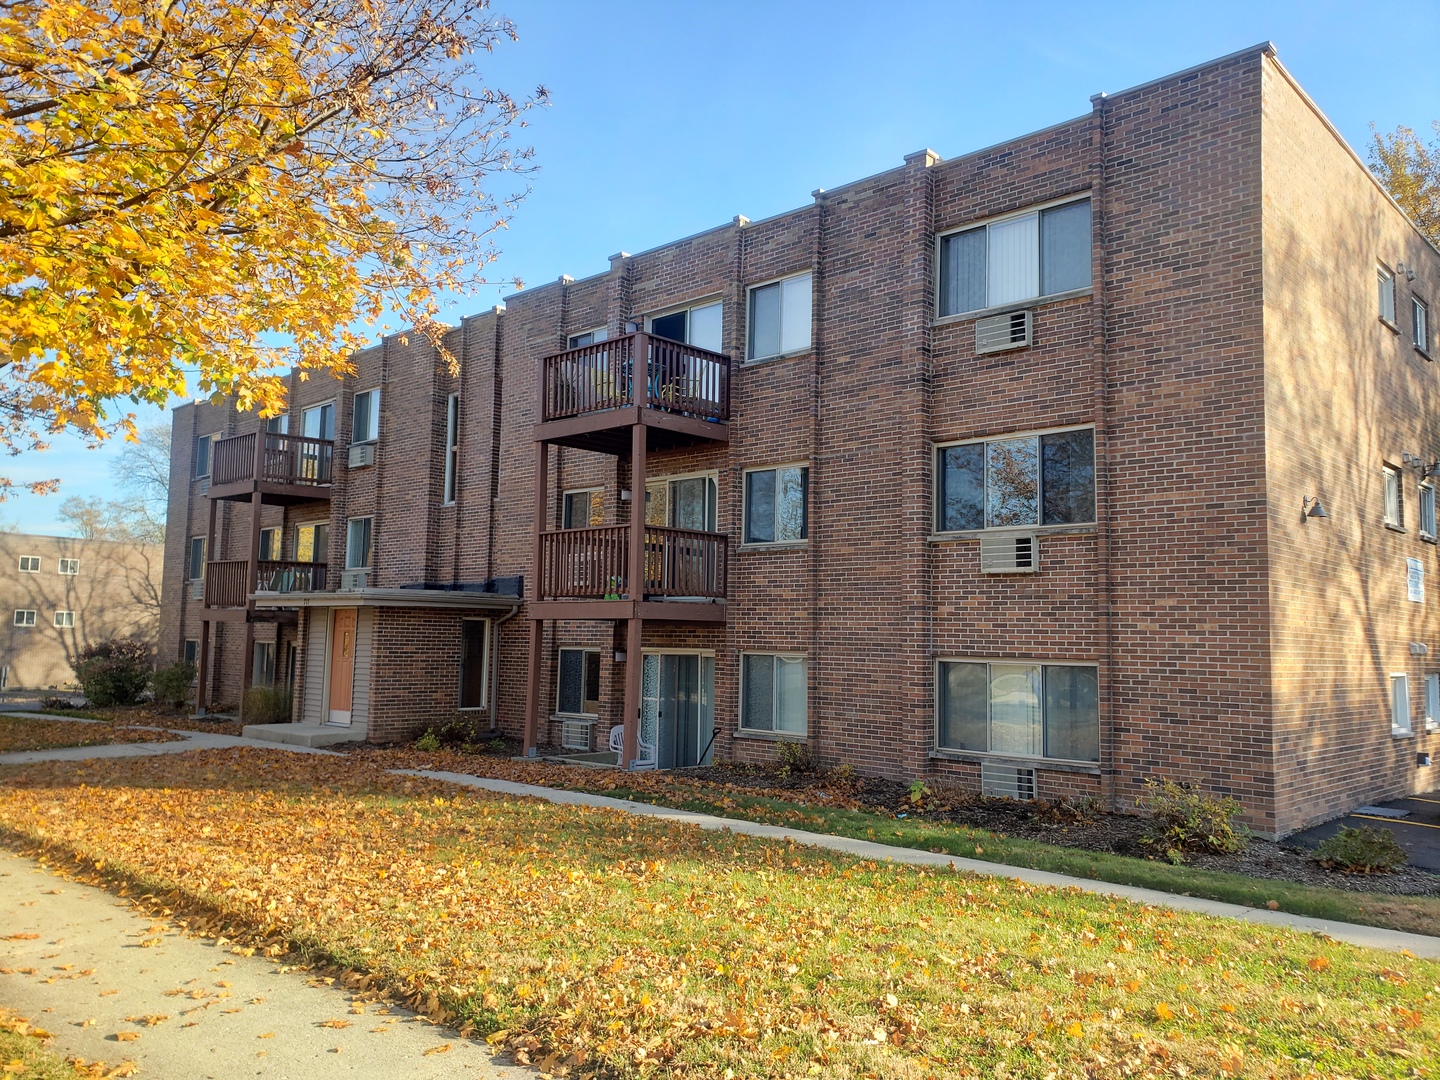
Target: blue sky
[670,118]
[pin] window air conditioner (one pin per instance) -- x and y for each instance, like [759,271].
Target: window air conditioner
[1007,782]
[575,734]
[1009,553]
[354,579]
[361,455]
[998,333]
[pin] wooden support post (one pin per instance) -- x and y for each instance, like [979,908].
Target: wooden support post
[635,572]
[252,582]
[537,626]
[202,677]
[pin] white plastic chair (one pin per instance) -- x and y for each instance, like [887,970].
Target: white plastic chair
[644,750]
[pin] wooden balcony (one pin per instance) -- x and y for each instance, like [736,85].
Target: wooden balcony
[227,581]
[285,469]
[589,396]
[583,574]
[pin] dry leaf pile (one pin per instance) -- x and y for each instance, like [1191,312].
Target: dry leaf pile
[18,733]
[592,943]
[24,1053]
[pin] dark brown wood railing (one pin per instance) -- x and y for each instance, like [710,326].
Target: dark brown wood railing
[677,378]
[227,581]
[592,564]
[272,458]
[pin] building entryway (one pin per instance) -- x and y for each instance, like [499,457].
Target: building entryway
[342,665]
[677,717]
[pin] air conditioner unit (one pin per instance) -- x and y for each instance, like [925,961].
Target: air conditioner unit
[197,588]
[362,455]
[1007,782]
[998,333]
[205,485]
[1010,553]
[354,579]
[575,734]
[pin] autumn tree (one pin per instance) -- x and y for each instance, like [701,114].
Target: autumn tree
[1409,169]
[226,189]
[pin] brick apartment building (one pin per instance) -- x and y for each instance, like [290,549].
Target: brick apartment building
[1100,454]
[63,593]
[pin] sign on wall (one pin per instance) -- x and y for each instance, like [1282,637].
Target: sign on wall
[1415,580]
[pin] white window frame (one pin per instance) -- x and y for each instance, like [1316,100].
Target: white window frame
[1014,662]
[597,336]
[64,619]
[1426,511]
[209,443]
[674,478]
[317,407]
[1037,434]
[204,557]
[485,660]
[775,732]
[1000,219]
[25,617]
[565,498]
[689,308]
[1385,294]
[588,651]
[1400,723]
[349,534]
[69,567]
[1420,324]
[30,569]
[452,448]
[750,291]
[373,419]
[745,507]
[1394,476]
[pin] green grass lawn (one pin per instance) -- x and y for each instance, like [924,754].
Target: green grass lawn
[596,943]
[24,1055]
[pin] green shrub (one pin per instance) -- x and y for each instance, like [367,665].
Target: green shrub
[428,742]
[171,685]
[794,757]
[1186,820]
[266,705]
[114,672]
[462,730]
[1366,850]
[496,746]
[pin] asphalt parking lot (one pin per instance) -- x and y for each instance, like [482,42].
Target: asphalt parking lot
[1418,831]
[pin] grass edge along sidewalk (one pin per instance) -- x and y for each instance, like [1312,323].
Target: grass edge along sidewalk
[1406,914]
[634,941]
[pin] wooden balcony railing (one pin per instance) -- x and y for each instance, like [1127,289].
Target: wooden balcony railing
[271,458]
[676,378]
[227,580]
[592,564]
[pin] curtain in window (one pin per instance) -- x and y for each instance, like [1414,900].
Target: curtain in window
[1072,713]
[1014,263]
[964,706]
[760,507]
[790,694]
[758,678]
[765,321]
[1065,248]
[790,513]
[962,272]
[1015,710]
[572,681]
[705,327]
[795,314]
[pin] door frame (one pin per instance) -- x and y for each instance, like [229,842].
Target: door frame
[329,660]
[700,653]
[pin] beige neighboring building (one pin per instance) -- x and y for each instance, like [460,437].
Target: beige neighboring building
[59,594]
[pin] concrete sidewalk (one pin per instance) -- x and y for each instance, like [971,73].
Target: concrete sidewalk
[1373,937]
[86,967]
[189,740]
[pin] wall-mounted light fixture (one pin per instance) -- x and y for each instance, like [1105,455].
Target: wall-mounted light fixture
[619,656]
[1312,507]
[1408,271]
[624,494]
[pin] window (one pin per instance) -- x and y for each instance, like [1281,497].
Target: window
[64,619]
[780,318]
[1394,499]
[30,564]
[1042,253]
[197,558]
[1427,511]
[772,693]
[318,421]
[24,618]
[365,426]
[1420,324]
[357,543]
[1030,480]
[578,687]
[681,503]
[473,634]
[192,651]
[262,673]
[452,446]
[1432,701]
[1387,295]
[583,508]
[1024,710]
[312,543]
[698,326]
[202,456]
[589,337]
[775,505]
[269,545]
[278,425]
[1399,704]
[69,567]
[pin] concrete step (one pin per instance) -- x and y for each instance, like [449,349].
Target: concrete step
[304,734]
